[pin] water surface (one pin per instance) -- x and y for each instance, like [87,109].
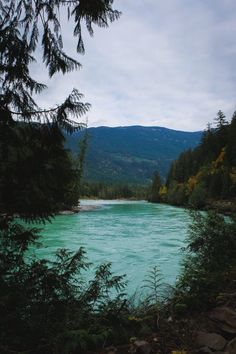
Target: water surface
[133,235]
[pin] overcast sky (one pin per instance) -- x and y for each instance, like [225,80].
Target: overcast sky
[167,63]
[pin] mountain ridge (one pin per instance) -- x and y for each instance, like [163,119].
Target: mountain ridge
[131,154]
[145,126]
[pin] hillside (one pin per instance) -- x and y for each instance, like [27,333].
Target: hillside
[205,176]
[131,154]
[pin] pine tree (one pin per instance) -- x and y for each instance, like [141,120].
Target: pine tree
[156,185]
[24,26]
[220,120]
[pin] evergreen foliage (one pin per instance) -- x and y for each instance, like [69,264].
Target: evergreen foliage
[25,25]
[101,190]
[210,262]
[35,169]
[155,188]
[208,172]
[37,175]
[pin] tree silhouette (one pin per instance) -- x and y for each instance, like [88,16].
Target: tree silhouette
[26,25]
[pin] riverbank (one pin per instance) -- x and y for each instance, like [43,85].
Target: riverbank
[92,207]
[226,207]
[78,209]
[208,332]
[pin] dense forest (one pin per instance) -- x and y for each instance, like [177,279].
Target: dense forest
[205,174]
[101,190]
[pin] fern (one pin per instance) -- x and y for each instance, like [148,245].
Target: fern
[153,285]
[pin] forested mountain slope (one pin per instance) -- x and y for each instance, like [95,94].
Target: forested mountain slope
[207,173]
[131,154]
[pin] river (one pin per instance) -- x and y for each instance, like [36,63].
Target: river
[133,235]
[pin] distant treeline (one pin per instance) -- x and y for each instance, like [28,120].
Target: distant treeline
[205,173]
[102,190]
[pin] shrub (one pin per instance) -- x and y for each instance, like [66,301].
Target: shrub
[210,261]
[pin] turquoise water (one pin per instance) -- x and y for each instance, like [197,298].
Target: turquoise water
[133,235]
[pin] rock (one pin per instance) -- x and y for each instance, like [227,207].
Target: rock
[226,328]
[75,209]
[231,346]
[110,350]
[142,347]
[203,350]
[225,297]
[225,317]
[210,340]
[65,212]
[224,206]
[88,207]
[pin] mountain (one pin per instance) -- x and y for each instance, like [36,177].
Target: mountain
[131,154]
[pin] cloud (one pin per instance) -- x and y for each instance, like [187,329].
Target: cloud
[163,63]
